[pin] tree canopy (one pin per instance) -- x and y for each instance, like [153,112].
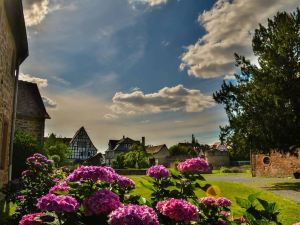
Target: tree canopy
[263,104]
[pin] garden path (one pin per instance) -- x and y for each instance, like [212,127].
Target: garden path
[286,187]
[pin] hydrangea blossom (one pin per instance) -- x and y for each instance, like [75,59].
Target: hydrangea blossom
[297,223]
[223,202]
[101,202]
[208,201]
[158,172]
[125,182]
[93,173]
[133,215]
[194,165]
[51,202]
[61,187]
[178,210]
[30,219]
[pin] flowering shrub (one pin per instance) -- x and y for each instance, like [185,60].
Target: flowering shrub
[194,165]
[158,172]
[98,195]
[133,215]
[178,210]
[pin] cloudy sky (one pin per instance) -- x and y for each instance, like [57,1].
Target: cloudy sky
[138,67]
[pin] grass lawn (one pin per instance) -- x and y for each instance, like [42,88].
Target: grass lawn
[290,211]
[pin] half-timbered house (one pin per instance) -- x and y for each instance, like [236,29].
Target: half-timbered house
[81,146]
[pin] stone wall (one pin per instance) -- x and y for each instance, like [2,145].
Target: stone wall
[7,79]
[32,126]
[275,165]
[217,158]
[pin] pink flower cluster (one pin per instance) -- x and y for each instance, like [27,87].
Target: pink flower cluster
[178,210]
[62,203]
[158,172]
[124,182]
[30,219]
[297,223]
[61,187]
[93,173]
[133,215]
[194,165]
[38,160]
[211,201]
[101,202]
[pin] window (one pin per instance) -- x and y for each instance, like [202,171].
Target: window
[3,145]
[266,160]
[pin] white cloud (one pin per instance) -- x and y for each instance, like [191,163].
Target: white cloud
[228,28]
[176,98]
[229,77]
[35,11]
[41,82]
[49,103]
[149,2]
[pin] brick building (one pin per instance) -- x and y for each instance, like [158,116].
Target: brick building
[31,111]
[275,164]
[13,51]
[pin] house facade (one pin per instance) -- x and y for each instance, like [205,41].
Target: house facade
[119,146]
[158,155]
[13,51]
[31,111]
[81,146]
[275,164]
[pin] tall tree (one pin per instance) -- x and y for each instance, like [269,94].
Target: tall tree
[263,104]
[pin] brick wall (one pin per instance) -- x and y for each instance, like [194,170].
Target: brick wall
[32,126]
[275,165]
[7,52]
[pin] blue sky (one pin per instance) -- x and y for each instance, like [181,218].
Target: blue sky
[138,67]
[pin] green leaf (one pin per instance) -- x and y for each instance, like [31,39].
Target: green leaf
[244,203]
[253,197]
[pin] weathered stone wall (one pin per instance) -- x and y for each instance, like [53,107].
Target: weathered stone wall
[217,158]
[275,165]
[32,126]
[7,79]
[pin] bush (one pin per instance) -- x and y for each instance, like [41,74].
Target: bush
[182,150]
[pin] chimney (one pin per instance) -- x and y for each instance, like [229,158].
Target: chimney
[143,141]
[123,136]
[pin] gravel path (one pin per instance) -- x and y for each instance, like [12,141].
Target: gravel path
[285,187]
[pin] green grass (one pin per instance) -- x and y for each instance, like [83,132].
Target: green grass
[289,209]
[6,210]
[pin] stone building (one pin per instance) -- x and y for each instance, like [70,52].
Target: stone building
[275,164]
[81,146]
[31,111]
[13,51]
[120,146]
[158,155]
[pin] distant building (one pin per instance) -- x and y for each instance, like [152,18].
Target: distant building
[81,146]
[158,154]
[275,164]
[219,146]
[13,51]
[31,111]
[120,146]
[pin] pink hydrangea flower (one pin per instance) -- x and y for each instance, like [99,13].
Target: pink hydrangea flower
[208,201]
[224,213]
[222,222]
[125,182]
[223,202]
[297,223]
[158,172]
[30,219]
[62,187]
[101,202]
[243,220]
[178,210]
[133,215]
[194,165]
[62,203]
[94,173]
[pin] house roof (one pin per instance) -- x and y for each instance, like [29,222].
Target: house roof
[14,11]
[82,129]
[155,149]
[29,101]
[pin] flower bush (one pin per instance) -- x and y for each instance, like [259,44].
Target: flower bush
[98,195]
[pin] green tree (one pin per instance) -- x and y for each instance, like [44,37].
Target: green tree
[182,150]
[118,161]
[53,146]
[24,146]
[263,104]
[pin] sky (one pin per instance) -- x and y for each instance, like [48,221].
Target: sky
[139,67]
